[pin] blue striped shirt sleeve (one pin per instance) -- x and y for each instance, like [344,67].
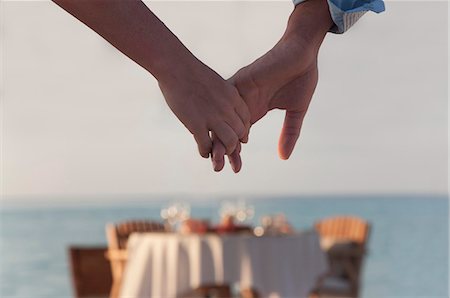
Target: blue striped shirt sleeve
[345,13]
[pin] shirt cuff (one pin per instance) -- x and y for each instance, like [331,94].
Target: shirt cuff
[345,13]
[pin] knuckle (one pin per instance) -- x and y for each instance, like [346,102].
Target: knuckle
[218,148]
[243,129]
[231,144]
[234,93]
[234,140]
[214,122]
[292,131]
[230,149]
[217,157]
[242,133]
[247,116]
[225,108]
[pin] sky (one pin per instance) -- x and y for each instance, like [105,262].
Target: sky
[79,119]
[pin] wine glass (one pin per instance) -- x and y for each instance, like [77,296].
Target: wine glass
[241,211]
[176,213]
[244,211]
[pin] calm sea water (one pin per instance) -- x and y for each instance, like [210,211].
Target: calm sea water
[408,246]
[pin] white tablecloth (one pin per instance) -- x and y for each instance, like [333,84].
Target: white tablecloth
[166,265]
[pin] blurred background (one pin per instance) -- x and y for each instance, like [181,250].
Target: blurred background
[88,139]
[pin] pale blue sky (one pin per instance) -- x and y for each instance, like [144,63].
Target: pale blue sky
[81,119]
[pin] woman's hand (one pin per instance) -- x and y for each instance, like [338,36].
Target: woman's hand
[198,96]
[206,103]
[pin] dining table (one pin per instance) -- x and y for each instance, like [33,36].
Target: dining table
[166,265]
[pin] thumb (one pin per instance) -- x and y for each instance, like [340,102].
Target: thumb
[290,133]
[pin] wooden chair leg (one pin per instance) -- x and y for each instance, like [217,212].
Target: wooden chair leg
[115,289]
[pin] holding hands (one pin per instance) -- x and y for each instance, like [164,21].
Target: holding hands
[206,103]
[218,113]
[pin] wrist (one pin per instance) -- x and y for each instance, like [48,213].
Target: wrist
[309,23]
[175,68]
[290,57]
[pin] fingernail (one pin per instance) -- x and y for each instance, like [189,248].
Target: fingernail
[284,155]
[234,168]
[215,167]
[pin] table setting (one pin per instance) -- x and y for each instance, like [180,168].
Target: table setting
[272,258]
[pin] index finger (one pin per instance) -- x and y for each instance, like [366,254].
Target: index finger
[218,153]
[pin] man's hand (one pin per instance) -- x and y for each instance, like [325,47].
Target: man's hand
[294,97]
[284,78]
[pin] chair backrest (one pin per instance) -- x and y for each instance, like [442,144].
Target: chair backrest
[90,271]
[210,290]
[350,235]
[249,293]
[344,228]
[218,291]
[118,234]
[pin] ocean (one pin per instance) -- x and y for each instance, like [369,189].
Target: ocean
[408,246]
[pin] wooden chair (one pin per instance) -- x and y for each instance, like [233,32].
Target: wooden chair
[249,293]
[349,236]
[218,291]
[210,290]
[90,271]
[117,236]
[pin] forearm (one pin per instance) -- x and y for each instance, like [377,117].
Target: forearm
[134,30]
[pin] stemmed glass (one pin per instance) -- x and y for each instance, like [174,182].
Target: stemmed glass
[175,214]
[241,211]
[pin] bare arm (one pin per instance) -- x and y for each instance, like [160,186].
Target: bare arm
[198,96]
[134,30]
